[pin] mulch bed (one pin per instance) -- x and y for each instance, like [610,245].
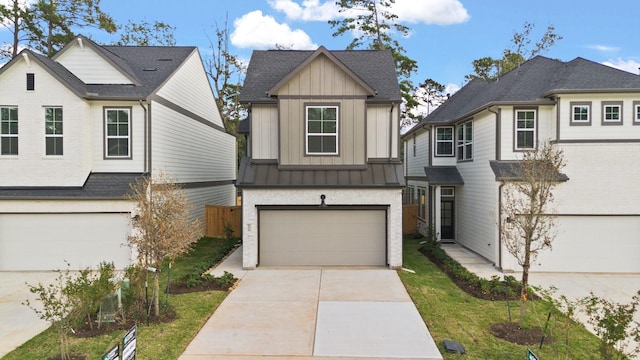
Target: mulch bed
[181,288]
[167,314]
[512,332]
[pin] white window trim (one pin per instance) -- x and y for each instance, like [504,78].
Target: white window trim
[53,135]
[422,203]
[517,130]
[636,113]
[461,146]
[107,136]
[452,141]
[2,135]
[307,133]
[615,104]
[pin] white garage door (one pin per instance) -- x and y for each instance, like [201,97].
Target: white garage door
[322,237]
[45,241]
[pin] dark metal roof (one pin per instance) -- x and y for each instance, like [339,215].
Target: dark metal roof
[533,82]
[443,175]
[374,175]
[244,126]
[97,186]
[268,67]
[147,66]
[508,170]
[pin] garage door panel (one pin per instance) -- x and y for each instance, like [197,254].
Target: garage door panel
[48,241]
[322,237]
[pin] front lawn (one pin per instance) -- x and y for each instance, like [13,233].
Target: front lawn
[452,314]
[157,341]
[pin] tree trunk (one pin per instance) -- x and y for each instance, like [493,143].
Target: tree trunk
[156,292]
[524,291]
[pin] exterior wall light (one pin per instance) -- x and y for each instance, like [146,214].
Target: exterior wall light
[322,204]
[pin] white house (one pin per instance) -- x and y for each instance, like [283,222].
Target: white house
[322,183]
[77,129]
[455,156]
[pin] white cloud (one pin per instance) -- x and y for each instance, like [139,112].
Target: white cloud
[258,31]
[309,10]
[604,48]
[437,12]
[631,66]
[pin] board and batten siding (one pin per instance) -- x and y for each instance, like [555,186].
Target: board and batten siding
[189,88]
[382,125]
[596,130]
[321,77]
[477,200]
[89,66]
[190,150]
[416,161]
[32,167]
[100,162]
[351,132]
[264,131]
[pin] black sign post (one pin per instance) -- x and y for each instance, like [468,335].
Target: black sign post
[129,344]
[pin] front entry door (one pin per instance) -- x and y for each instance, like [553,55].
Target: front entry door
[447,216]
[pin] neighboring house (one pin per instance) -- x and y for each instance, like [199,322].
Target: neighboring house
[322,183]
[455,157]
[76,130]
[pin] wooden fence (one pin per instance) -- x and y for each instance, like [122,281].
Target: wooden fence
[409,218]
[217,216]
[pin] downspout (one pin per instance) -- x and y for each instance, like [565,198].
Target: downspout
[147,140]
[498,157]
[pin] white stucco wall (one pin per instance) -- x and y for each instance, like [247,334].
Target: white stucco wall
[251,198]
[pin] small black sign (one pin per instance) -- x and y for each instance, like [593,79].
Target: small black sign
[112,354]
[129,344]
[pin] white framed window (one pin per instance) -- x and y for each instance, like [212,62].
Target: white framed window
[321,129]
[465,140]
[444,141]
[580,113]
[117,130]
[447,192]
[636,112]
[414,145]
[612,112]
[8,130]
[525,130]
[53,130]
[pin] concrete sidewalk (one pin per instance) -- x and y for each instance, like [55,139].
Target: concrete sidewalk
[314,313]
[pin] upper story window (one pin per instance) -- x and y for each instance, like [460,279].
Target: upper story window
[117,132]
[612,113]
[580,113]
[53,130]
[31,81]
[414,145]
[465,140]
[444,141]
[525,129]
[8,131]
[322,130]
[636,112]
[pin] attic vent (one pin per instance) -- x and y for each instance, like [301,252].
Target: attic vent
[150,69]
[165,59]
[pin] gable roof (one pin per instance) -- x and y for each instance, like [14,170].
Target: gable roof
[268,69]
[533,82]
[148,67]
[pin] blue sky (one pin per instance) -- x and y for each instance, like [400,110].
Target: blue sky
[446,34]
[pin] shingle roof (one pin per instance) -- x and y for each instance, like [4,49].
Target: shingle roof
[267,67]
[443,175]
[147,66]
[532,82]
[510,169]
[375,175]
[97,186]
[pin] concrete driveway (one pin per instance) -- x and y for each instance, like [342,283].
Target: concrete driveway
[19,323]
[310,313]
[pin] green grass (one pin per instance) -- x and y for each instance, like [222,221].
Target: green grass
[157,341]
[452,314]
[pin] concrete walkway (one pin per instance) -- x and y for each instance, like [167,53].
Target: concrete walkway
[314,314]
